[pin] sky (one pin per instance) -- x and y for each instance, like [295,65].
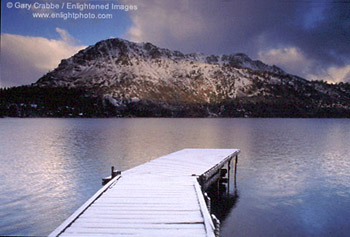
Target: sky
[308,38]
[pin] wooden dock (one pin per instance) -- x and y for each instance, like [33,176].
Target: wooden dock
[163,197]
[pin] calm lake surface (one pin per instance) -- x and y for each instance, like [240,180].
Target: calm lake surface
[293,174]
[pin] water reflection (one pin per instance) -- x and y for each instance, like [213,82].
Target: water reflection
[293,175]
[299,185]
[221,207]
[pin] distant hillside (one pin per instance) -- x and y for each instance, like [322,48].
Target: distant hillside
[116,77]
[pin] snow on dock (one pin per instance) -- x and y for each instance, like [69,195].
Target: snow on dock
[162,197]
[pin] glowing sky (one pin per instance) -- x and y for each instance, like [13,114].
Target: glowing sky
[309,38]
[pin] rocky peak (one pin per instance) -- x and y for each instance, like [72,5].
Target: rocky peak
[124,72]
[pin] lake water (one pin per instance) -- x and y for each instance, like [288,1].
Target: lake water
[293,174]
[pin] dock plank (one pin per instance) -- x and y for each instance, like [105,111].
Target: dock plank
[159,198]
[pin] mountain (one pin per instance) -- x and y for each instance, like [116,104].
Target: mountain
[141,79]
[125,71]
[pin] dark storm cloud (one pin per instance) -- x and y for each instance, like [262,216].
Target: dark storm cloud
[328,41]
[212,26]
[318,30]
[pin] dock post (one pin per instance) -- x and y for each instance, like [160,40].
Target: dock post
[228,176]
[114,173]
[235,174]
[222,180]
[218,187]
[216,223]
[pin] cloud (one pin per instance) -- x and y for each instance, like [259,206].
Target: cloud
[207,26]
[24,58]
[314,34]
[66,37]
[290,59]
[333,74]
[294,61]
[168,19]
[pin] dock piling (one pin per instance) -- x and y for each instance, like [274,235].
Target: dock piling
[235,173]
[114,173]
[165,194]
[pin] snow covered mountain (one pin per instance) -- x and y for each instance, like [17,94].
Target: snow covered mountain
[141,74]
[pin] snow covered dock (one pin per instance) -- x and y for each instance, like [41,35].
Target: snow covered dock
[163,197]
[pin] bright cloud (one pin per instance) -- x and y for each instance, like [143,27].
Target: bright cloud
[66,37]
[294,61]
[291,59]
[333,74]
[24,58]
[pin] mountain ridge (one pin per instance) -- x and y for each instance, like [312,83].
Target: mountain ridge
[116,64]
[141,79]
